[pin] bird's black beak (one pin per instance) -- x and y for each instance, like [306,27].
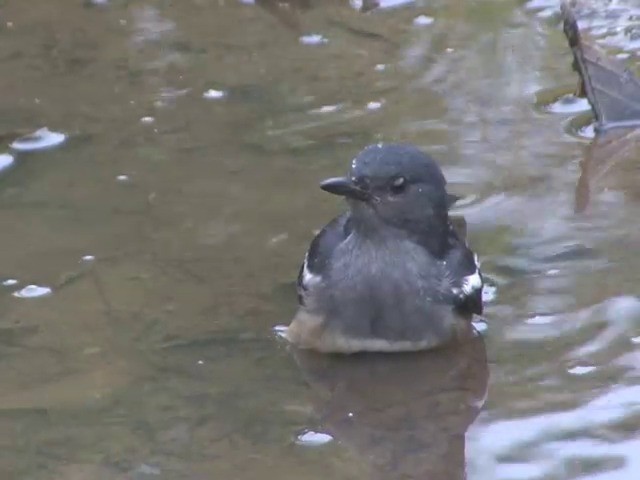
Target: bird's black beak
[344,187]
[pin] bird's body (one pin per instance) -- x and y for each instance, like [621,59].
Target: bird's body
[387,277]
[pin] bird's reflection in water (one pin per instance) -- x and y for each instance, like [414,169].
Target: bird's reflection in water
[404,414]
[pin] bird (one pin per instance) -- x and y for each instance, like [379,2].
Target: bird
[390,274]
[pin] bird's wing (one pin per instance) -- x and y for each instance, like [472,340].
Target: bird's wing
[463,269]
[320,251]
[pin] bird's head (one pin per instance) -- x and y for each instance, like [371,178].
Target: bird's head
[395,185]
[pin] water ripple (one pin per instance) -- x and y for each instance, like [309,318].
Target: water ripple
[539,439]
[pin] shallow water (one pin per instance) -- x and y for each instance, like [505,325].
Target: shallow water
[155,248]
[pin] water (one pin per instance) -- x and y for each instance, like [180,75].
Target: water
[170,223]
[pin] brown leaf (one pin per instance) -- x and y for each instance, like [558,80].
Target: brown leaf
[612,89]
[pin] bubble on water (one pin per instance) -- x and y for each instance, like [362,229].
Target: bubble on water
[309,438]
[147,120]
[581,126]
[480,325]
[382,4]
[6,160]
[568,103]
[123,178]
[581,369]
[9,282]
[489,293]
[213,94]
[313,39]
[281,331]
[33,291]
[326,109]
[423,20]
[588,131]
[39,140]
[88,258]
[541,320]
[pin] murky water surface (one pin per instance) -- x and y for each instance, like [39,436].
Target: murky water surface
[151,234]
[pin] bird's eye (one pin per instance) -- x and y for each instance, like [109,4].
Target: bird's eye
[398,185]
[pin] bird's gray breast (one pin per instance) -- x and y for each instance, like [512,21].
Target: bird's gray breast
[389,290]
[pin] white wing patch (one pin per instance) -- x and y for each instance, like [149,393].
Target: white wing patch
[308,279]
[472,282]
